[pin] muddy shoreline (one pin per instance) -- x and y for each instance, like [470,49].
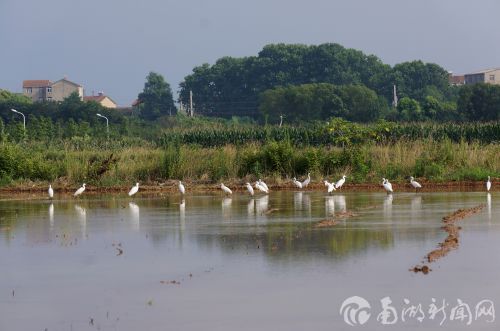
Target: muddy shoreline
[239,186]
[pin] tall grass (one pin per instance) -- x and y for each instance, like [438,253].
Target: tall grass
[436,160]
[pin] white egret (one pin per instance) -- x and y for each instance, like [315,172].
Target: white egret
[133,190]
[182,189]
[264,185]
[249,188]
[51,192]
[488,184]
[306,182]
[260,187]
[340,182]
[79,191]
[297,183]
[330,186]
[225,189]
[387,185]
[415,184]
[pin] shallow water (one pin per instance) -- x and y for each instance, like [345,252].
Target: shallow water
[240,263]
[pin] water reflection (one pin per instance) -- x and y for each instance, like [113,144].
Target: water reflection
[488,205]
[415,207]
[81,216]
[262,205]
[340,202]
[388,207]
[329,206]
[297,200]
[135,221]
[51,215]
[251,208]
[226,207]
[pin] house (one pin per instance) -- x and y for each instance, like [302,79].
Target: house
[101,99]
[37,90]
[45,90]
[456,80]
[63,88]
[489,76]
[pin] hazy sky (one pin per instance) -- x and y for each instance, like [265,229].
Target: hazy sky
[111,45]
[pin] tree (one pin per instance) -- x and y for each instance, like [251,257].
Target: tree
[362,104]
[409,110]
[479,102]
[156,99]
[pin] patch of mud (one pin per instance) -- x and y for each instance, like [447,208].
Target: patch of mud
[451,242]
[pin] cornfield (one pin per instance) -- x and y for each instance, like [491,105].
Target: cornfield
[321,135]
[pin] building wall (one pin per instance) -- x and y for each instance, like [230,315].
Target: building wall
[489,77]
[106,102]
[63,89]
[35,93]
[493,77]
[474,78]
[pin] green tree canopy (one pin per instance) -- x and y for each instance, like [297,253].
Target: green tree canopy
[480,102]
[156,99]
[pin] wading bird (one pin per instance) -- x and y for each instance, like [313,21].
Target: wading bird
[133,190]
[259,187]
[415,184]
[249,188]
[340,182]
[79,191]
[51,192]
[488,184]
[330,186]
[182,189]
[306,182]
[387,185]
[225,189]
[264,185]
[297,183]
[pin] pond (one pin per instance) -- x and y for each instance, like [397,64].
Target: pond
[110,262]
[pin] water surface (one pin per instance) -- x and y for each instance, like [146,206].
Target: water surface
[241,263]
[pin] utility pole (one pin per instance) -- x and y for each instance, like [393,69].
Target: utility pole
[191,103]
[107,124]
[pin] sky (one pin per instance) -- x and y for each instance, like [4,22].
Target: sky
[111,45]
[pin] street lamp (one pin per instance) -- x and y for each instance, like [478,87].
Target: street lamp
[24,117]
[107,123]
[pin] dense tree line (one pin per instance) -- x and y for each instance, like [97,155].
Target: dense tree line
[233,86]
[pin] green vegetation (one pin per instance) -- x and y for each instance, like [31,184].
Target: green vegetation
[434,160]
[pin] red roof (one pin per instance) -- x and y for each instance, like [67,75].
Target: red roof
[457,80]
[97,98]
[36,83]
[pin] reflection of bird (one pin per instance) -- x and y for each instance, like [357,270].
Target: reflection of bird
[297,183]
[133,190]
[330,206]
[182,189]
[264,185]
[249,188]
[306,182]
[51,192]
[340,202]
[387,185]
[488,184]
[340,182]
[79,191]
[414,183]
[225,189]
[262,205]
[134,215]
[330,186]
[51,214]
